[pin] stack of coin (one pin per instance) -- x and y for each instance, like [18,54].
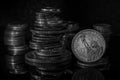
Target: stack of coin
[14,39]
[49,55]
[105,30]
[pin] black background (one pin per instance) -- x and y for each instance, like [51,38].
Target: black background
[85,12]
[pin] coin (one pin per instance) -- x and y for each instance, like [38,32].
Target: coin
[88,45]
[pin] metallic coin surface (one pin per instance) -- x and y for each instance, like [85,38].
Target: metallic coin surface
[88,45]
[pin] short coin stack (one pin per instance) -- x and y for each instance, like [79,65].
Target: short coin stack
[14,39]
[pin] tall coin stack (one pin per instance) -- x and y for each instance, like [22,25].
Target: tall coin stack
[14,39]
[48,58]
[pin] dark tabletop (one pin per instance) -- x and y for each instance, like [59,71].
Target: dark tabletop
[83,12]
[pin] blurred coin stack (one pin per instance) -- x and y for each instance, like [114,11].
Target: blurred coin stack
[48,58]
[104,29]
[14,39]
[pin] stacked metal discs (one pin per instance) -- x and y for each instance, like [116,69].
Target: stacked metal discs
[49,57]
[105,30]
[14,39]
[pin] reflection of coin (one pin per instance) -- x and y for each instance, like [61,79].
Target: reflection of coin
[88,45]
[88,74]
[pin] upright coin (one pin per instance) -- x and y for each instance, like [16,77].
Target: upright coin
[88,45]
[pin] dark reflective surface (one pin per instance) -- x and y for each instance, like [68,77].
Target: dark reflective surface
[84,12]
[88,74]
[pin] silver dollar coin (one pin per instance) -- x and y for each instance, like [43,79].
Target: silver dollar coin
[88,45]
